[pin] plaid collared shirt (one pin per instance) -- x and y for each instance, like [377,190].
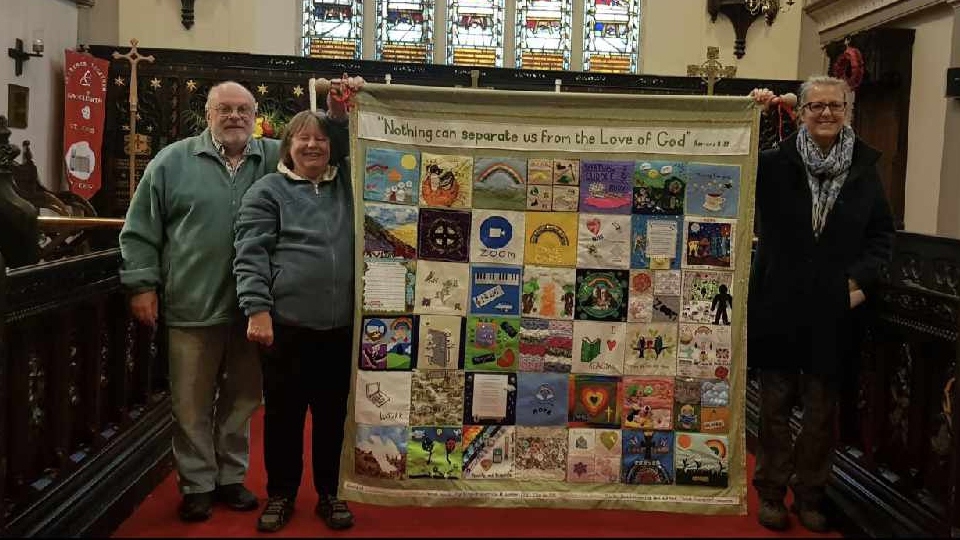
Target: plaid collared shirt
[221,150]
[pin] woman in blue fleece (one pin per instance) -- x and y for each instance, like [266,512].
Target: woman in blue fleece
[295,280]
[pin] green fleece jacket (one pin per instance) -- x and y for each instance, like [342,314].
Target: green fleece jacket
[178,233]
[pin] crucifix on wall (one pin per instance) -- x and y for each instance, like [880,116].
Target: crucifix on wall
[712,70]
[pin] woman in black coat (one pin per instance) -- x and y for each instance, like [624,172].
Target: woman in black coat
[824,228]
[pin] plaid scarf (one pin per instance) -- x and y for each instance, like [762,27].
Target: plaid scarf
[825,174]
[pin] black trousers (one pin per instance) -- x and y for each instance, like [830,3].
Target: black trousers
[305,368]
[804,465]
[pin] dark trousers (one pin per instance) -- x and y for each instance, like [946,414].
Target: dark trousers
[804,465]
[305,368]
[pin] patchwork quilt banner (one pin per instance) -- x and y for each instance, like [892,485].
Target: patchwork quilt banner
[551,299]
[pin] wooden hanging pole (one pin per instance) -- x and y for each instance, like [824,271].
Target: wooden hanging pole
[134,58]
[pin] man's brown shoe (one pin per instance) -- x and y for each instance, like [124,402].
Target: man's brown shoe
[773,515]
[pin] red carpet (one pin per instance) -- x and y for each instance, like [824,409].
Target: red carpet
[157,517]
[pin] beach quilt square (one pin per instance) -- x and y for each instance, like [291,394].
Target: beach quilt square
[391,175]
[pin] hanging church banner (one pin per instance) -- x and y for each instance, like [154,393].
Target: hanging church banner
[551,297]
[84,111]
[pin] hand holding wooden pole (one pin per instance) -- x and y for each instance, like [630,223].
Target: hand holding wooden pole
[134,58]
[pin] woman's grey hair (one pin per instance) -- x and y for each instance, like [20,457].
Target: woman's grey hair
[212,94]
[825,80]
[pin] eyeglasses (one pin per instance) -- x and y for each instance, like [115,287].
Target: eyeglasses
[225,111]
[817,107]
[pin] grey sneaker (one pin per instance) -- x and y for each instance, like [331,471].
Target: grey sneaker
[773,515]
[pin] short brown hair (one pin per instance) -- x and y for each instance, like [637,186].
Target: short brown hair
[296,124]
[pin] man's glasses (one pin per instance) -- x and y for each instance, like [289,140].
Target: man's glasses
[225,111]
[817,107]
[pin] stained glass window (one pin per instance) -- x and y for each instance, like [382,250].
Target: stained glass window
[543,34]
[405,31]
[611,36]
[475,32]
[333,29]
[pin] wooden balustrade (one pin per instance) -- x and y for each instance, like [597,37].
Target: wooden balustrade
[82,385]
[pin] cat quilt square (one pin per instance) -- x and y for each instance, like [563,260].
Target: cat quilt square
[551,239]
[548,293]
[541,453]
[493,343]
[497,236]
[598,347]
[714,190]
[648,402]
[436,397]
[439,341]
[594,401]
[647,457]
[380,452]
[593,455]
[442,288]
[444,235]
[709,243]
[495,290]
[707,297]
[382,398]
[391,175]
[488,452]
[702,460]
[604,241]
[542,399]
[490,398]
[655,242]
[388,285]
[446,180]
[546,345]
[651,349]
[388,343]
[390,231]
[606,187]
[686,404]
[602,295]
[500,183]
[659,187]
[704,351]
[435,452]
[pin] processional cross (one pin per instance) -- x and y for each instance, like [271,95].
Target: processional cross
[134,58]
[712,70]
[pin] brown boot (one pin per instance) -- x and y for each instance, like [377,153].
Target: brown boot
[773,514]
[811,517]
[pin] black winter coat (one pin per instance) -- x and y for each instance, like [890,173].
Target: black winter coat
[798,315]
